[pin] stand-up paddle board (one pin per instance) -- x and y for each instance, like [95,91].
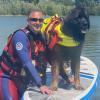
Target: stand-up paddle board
[88,80]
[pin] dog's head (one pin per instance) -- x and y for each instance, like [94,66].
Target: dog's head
[76,23]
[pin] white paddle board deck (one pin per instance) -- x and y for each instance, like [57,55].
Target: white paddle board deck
[88,80]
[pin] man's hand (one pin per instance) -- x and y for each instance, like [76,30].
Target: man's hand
[46,90]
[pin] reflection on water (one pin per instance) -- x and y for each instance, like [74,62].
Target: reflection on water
[8,24]
[92,48]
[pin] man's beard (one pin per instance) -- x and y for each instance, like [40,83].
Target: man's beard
[36,28]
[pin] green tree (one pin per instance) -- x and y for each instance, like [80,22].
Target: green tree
[64,2]
[30,1]
[36,2]
[87,3]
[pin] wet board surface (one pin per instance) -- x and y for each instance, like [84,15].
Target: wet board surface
[88,80]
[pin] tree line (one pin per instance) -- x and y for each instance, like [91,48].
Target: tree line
[49,7]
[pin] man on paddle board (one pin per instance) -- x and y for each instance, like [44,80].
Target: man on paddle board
[24,50]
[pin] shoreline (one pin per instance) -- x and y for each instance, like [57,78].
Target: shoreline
[46,15]
[13,15]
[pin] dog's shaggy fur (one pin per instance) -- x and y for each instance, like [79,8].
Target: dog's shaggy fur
[75,25]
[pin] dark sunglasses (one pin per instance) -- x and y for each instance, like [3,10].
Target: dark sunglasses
[36,19]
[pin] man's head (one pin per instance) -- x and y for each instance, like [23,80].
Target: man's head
[35,19]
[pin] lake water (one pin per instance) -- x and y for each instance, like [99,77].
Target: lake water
[9,24]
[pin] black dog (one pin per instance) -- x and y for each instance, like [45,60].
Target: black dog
[75,26]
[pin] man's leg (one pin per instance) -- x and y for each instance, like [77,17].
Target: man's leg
[8,90]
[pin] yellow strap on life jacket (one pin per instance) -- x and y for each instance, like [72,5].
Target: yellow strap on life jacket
[66,40]
[48,26]
[48,22]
